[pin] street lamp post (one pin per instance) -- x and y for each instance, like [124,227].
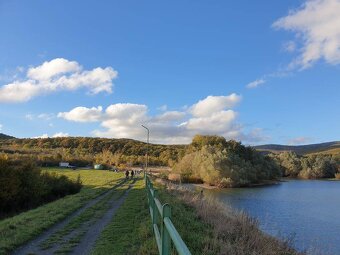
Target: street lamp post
[147,149]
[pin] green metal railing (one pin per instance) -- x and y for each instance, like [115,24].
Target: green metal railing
[162,213]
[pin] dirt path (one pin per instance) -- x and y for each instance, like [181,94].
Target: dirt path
[62,239]
[93,233]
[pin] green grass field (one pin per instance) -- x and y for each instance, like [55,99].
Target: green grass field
[21,228]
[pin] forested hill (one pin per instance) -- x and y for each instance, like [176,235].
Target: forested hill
[329,147]
[85,150]
[3,136]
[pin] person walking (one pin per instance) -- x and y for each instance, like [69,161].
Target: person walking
[132,173]
[127,174]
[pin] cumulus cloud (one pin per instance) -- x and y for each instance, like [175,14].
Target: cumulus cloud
[60,134]
[213,104]
[41,136]
[48,70]
[82,114]
[170,116]
[212,115]
[255,84]
[56,75]
[316,25]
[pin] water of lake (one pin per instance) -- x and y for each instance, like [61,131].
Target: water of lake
[307,209]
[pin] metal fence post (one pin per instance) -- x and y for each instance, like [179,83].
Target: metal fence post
[166,240]
[154,209]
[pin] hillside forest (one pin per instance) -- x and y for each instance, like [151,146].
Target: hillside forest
[208,159]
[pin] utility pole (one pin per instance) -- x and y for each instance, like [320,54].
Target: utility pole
[147,149]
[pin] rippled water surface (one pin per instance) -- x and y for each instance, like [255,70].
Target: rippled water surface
[309,210]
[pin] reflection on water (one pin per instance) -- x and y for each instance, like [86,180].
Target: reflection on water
[308,210]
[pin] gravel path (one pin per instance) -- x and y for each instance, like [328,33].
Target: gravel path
[33,247]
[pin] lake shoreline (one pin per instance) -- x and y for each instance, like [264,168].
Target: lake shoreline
[297,207]
[207,186]
[262,184]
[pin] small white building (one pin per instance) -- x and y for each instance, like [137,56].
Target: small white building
[64,164]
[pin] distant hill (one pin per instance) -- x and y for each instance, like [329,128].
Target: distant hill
[329,147]
[3,136]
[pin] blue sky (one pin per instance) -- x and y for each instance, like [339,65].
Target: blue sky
[255,71]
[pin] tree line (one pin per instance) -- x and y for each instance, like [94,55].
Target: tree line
[82,151]
[210,159]
[312,166]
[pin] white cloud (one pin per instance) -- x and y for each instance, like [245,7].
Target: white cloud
[212,115]
[42,136]
[216,123]
[316,25]
[60,134]
[48,70]
[299,140]
[170,116]
[163,108]
[289,46]
[255,84]
[46,116]
[56,75]
[82,114]
[1,127]
[213,104]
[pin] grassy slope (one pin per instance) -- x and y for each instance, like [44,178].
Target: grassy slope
[335,151]
[19,229]
[325,148]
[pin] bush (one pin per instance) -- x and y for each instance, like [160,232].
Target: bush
[23,186]
[337,176]
[225,163]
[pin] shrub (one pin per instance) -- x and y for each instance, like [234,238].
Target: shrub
[23,186]
[225,163]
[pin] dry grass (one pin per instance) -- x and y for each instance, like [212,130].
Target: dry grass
[233,232]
